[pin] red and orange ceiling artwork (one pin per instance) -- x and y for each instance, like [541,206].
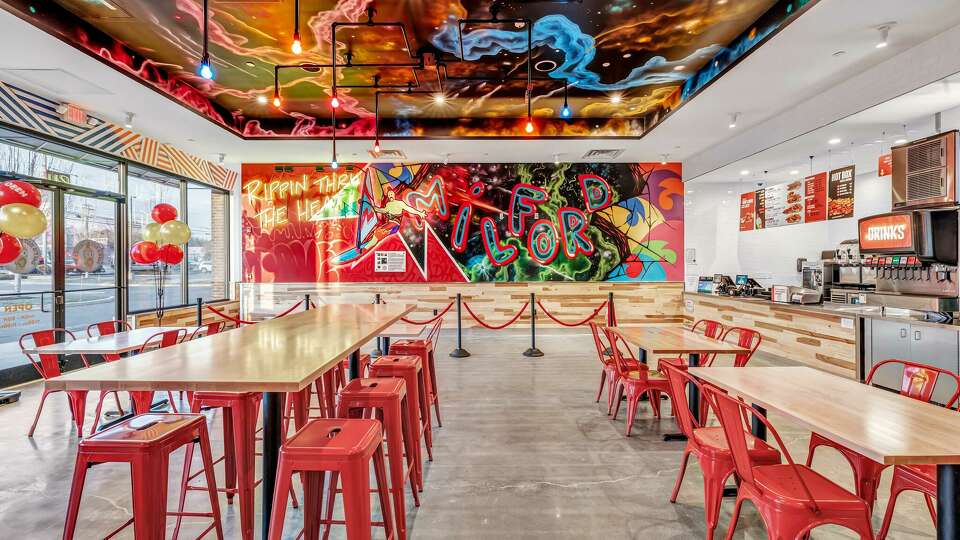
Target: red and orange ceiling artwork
[408,69]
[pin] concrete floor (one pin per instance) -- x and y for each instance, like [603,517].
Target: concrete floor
[524,453]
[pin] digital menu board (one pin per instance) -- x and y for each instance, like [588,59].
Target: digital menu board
[817,197]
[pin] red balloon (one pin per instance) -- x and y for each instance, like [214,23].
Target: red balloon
[163,213]
[18,191]
[145,252]
[171,254]
[9,248]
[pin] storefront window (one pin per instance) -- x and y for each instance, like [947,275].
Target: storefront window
[207,253]
[58,163]
[146,189]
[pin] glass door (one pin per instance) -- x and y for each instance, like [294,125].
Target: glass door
[90,291]
[28,292]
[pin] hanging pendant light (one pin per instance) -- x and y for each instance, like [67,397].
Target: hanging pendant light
[296,46]
[204,69]
[565,111]
[333,127]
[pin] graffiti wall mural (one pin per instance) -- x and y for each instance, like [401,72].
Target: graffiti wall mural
[476,222]
[621,66]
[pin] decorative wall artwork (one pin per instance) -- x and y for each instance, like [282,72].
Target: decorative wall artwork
[652,55]
[817,197]
[462,222]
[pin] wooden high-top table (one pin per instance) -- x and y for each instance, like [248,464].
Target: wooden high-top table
[661,340]
[274,357]
[886,427]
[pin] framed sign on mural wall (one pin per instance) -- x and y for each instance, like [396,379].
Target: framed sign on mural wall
[462,222]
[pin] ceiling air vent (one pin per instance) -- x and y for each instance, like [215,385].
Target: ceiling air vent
[603,153]
[388,153]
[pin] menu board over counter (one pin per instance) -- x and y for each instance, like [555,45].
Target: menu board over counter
[817,197]
[840,193]
[748,210]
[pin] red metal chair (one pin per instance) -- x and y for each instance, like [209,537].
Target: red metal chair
[49,367]
[746,338]
[345,448]
[921,478]
[917,382]
[708,445]
[791,499]
[608,372]
[106,328]
[145,442]
[208,329]
[710,329]
[636,381]
[143,400]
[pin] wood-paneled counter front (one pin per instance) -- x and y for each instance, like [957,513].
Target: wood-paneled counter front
[816,336]
[494,303]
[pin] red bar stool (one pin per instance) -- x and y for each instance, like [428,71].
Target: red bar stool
[341,446]
[145,442]
[424,349]
[340,376]
[387,399]
[239,449]
[410,369]
[143,400]
[49,367]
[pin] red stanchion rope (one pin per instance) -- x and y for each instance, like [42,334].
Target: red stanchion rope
[495,327]
[238,320]
[312,305]
[428,321]
[580,323]
[288,311]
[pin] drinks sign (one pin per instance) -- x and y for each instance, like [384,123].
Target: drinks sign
[887,232]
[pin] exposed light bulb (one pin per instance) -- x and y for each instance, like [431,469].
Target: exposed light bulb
[334,165]
[276,100]
[334,102]
[376,146]
[529,127]
[204,69]
[565,111]
[296,46]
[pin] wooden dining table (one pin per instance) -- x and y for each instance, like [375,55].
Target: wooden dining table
[676,340]
[884,426]
[117,343]
[274,357]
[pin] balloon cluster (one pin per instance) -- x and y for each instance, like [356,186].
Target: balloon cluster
[20,217]
[161,239]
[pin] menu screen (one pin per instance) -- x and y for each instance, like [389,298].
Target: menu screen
[748,209]
[817,197]
[840,193]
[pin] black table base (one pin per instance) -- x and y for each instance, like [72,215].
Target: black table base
[272,431]
[948,502]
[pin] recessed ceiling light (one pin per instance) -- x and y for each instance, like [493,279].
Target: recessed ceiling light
[439,98]
[605,64]
[900,141]
[689,191]
[733,120]
[262,100]
[615,98]
[835,140]
[878,141]
[794,172]
[744,172]
[250,64]
[627,55]
[679,68]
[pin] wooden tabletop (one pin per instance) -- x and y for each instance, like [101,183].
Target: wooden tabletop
[882,425]
[119,342]
[674,340]
[402,330]
[280,355]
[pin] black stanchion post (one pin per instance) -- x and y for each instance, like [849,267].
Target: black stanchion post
[381,348]
[199,311]
[306,302]
[533,351]
[459,352]
[610,319]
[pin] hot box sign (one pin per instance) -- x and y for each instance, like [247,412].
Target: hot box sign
[463,222]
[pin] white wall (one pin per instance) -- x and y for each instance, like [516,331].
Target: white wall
[712,221]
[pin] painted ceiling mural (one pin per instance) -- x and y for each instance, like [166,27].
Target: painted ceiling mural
[621,64]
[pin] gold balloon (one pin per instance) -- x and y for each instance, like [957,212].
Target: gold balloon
[174,232]
[22,220]
[151,232]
